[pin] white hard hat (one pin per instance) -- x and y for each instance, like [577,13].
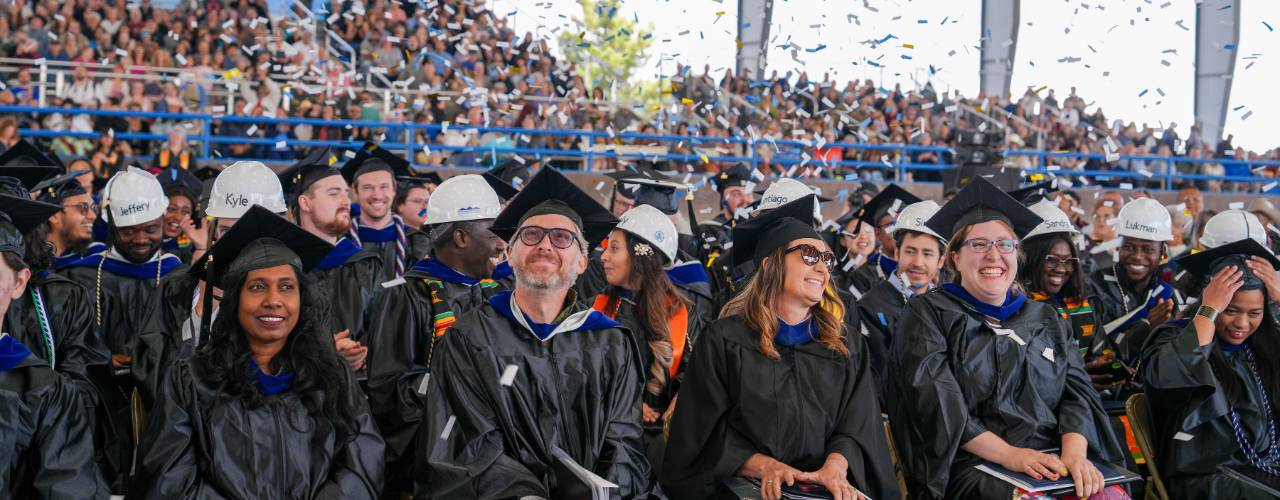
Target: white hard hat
[1144,219]
[1054,220]
[243,185]
[462,198]
[913,217]
[783,191]
[133,197]
[651,225]
[1231,226]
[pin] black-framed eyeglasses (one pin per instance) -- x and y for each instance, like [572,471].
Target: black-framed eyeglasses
[560,238]
[812,256]
[84,207]
[983,245]
[1055,262]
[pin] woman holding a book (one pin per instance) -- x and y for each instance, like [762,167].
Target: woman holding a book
[1213,381]
[778,391]
[984,376]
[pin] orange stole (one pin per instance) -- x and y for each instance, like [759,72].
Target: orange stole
[677,328]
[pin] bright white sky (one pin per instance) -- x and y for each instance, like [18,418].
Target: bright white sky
[1123,47]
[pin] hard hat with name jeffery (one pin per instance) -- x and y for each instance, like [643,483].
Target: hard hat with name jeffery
[133,197]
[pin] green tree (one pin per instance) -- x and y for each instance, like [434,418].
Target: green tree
[607,48]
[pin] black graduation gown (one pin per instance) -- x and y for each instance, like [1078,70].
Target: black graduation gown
[351,284]
[954,378]
[201,444]
[592,280]
[68,312]
[578,391]
[711,236]
[1193,433]
[1108,299]
[399,332]
[45,435]
[159,347]
[798,409]
[376,242]
[873,271]
[127,302]
[877,314]
[419,242]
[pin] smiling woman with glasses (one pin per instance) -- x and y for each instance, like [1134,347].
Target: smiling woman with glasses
[779,391]
[980,374]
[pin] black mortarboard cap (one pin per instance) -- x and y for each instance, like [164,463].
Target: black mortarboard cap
[206,173]
[372,158]
[550,192]
[174,176]
[56,189]
[756,238]
[737,175]
[1029,195]
[891,199]
[18,216]
[301,175]
[420,179]
[507,178]
[260,239]
[1207,263]
[647,186]
[24,154]
[981,201]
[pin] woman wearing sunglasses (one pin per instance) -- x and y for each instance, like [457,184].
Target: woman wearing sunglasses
[1054,275]
[980,373]
[777,390]
[644,299]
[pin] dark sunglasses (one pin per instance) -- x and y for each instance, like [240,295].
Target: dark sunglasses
[560,238]
[1054,262]
[812,256]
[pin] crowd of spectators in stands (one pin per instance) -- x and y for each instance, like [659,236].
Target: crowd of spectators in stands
[456,62]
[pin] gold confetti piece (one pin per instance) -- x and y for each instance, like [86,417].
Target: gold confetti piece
[908,46]
[686,100]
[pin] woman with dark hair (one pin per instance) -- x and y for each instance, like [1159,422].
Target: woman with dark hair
[979,373]
[643,298]
[777,390]
[265,408]
[1054,275]
[1212,381]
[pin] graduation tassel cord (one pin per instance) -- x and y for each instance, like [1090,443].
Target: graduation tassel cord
[400,244]
[43,318]
[97,295]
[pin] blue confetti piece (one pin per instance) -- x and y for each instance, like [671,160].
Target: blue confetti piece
[876,64]
[907,57]
[815,49]
[844,193]
[584,44]
[932,70]
[1269,28]
[944,20]
[922,21]
[1144,92]
[700,37]
[613,11]
[752,99]
[646,36]
[1237,108]
[882,320]
[1032,63]
[885,39]
[1229,46]
[1225,7]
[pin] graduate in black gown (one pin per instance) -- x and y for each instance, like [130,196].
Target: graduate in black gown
[413,192]
[44,425]
[880,213]
[531,374]
[737,193]
[71,230]
[778,390]
[643,297]
[978,372]
[1212,380]
[408,317]
[1130,296]
[372,175]
[185,299]
[265,408]
[350,275]
[855,242]
[919,250]
[183,189]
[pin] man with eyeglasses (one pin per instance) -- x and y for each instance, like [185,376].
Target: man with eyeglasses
[531,380]
[1129,296]
[71,230]
[411,314]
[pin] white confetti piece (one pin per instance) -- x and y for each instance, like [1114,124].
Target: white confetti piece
[422,385]
[508,375]
[395,282]
[448,427]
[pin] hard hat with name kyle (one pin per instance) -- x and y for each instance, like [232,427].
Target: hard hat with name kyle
[1144,219]
[463,198]
[133,197]
[1055,220]
[1231,226]
[653,226]
[243,185]
[913,216]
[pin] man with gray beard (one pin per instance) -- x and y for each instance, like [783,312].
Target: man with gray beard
[530,379]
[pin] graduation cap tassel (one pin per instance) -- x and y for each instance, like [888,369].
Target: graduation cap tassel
[207,310]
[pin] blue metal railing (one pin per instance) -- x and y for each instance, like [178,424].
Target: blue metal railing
[789,154]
